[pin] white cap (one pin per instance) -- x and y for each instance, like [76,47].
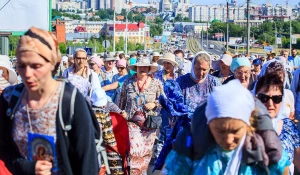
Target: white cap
[227,59]
[99,97]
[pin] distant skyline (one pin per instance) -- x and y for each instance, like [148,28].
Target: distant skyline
[215,2]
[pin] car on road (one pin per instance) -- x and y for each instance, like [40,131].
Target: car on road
[211,46]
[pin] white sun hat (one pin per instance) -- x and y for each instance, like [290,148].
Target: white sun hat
[5,62]
[168,57]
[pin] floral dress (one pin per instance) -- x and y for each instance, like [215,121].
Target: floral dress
[43,121]
[290,139]
[196,93]
[141,141]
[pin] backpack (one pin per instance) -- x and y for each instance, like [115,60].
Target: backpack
[67,100]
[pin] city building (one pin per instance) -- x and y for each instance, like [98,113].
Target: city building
[108,4]
[59,30]
[206,13]
[257,12]
[190,27]
[67,5]
[165,5]
[136,32]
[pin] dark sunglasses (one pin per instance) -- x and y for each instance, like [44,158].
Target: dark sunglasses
[121,68]
[92,64]
[265,98]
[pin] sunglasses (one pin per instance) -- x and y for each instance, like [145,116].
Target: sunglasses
[265,98]
[92,64]
[121,68]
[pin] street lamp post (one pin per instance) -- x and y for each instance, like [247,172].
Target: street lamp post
[275,38]
[126,33]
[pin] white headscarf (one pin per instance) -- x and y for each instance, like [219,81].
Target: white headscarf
[193,64]
[235,101]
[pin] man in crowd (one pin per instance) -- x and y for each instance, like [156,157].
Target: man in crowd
[294,58]
[109,70]
[186,64]
[224,71]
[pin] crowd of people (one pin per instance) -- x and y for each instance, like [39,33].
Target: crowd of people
[108,114]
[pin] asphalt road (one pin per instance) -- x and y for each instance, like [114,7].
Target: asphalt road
[218,48]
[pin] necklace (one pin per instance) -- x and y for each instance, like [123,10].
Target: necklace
[141,88]
[27,107]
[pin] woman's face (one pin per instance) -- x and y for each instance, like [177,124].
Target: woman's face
[121,70]
[143,70]
[273,107]
[80,59]
[201,69]
[5,73]
[243,74]
[228,132]
[224,67]
[34,70]
[109,64]
[168,67]
[93,66]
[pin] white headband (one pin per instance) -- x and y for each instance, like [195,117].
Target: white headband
[232,100]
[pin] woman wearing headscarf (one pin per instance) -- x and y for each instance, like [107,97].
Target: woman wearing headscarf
[228,112]
[36,115]
[139,98]
[241,67]
[95,63]
[197,85]
[270,91]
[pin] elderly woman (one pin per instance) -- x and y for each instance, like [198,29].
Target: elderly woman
[224,71]
[270,91]
[197,85]
[228,113]
[8,76]
[169,64]
[80,67]
[139,98]
[241,67]
[38,112]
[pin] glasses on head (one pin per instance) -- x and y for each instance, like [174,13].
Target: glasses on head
[243,73]
[265,98]
[120,68]
[81,58]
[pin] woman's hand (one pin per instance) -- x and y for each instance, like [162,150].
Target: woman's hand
[124,114]
[149,106]
[43,167]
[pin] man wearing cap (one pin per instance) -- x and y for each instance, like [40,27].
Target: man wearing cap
[224,71]
[8,76]
[257,64]
[109,70]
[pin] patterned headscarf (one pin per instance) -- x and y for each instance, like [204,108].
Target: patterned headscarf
[41,42]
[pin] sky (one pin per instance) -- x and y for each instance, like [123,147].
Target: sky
[273,2]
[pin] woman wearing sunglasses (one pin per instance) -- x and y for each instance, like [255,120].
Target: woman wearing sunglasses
[95,63]
[270,91]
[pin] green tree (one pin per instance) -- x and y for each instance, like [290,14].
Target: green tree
[159,20]
[62,48]
[186,19]
[179,18]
